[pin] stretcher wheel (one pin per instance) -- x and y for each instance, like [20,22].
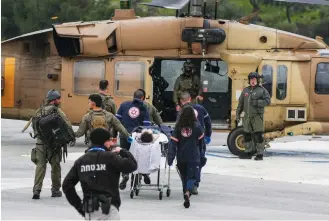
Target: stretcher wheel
[160,195]
[131,194]
[168,192]
[136,192]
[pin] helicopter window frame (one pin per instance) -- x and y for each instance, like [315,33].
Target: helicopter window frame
[317,80]
[283,95]
[118,92]
[100,75]
[268,85]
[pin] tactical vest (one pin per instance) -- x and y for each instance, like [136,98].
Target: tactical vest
[188,85]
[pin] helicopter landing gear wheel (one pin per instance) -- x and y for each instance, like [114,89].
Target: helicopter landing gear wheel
[235,141]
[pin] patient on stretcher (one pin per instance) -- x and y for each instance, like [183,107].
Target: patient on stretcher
[148,136]
[146,149]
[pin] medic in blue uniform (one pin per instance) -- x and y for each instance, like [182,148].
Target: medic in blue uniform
[132,114]
[186,144]
[205,121]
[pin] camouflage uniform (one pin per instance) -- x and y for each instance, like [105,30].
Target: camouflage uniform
[154,114]
[112,121]
[108,103]
[45,153]
[187,82]
[252,101]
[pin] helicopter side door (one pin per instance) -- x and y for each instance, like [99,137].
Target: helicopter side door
[129,74]
[319,89]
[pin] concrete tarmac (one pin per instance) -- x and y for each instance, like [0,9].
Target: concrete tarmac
[220,196]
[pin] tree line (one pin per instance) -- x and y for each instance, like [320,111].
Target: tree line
[23,16]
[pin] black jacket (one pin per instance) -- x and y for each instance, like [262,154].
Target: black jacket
[98,172]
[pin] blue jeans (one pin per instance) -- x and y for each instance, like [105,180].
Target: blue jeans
[189,173]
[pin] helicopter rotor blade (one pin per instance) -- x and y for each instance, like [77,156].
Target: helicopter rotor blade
[312,2]
[169,4]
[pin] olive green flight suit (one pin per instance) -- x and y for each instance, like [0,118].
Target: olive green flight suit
[186,83]
[108,102]
[252,101]
[154,114]
[44,153]
[112,121]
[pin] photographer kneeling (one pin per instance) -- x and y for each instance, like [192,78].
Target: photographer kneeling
[98,171]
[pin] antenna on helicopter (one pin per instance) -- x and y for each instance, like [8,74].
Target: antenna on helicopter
[216,3]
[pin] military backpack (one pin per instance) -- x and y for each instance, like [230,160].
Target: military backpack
[51,128]
[98,121]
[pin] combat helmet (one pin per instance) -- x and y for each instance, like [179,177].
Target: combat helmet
[254,75]
[52,95]
[188,67]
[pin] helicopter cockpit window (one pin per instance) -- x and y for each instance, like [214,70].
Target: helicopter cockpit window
[267,73]
[87,74]
[281,84]
[129,76]
[322,79]
[215,82]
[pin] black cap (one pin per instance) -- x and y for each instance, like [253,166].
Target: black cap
[99,136]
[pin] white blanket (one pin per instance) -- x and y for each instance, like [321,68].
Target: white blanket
[148,155]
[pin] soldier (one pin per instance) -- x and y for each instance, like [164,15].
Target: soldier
[187,82]
[133,114]
[205,121]
[99,118]
[252,101]
[107,101]
[44,153]
[154,114]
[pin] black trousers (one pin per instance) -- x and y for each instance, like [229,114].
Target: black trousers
[189,173]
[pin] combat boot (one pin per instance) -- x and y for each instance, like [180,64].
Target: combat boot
[195,190]
[56,193]
[124,181]
[259,157]
[36,195]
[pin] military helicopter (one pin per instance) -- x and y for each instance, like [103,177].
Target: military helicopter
[134,53]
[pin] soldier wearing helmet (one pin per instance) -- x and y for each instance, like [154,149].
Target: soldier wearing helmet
[187,82]
[43,153]
[252,102]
